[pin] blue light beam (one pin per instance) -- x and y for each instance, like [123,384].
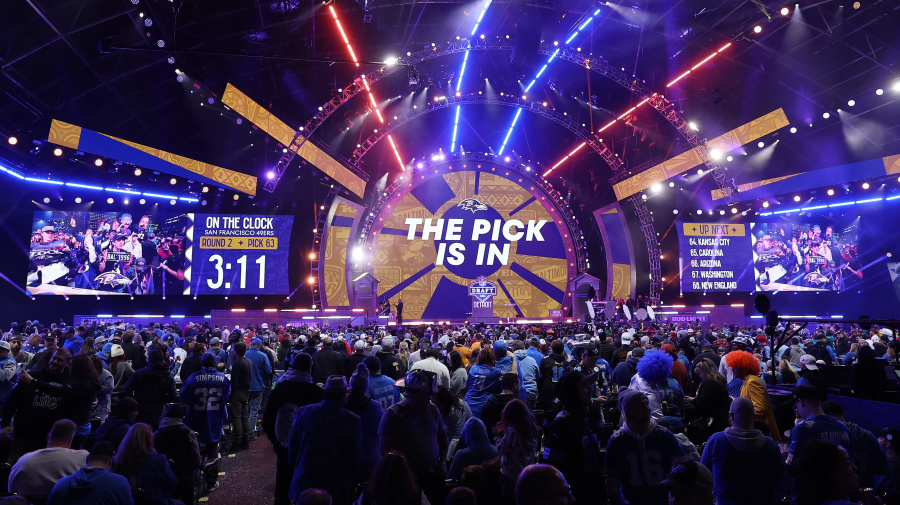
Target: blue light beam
[455,126]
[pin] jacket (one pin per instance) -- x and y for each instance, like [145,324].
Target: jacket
[732,455]
[91,486]
[755,390]
[8,377]
[153,387]
[478,448]
[156,479]
[33,411]
[179,444]
[294,387]
[327,362]
[262,369]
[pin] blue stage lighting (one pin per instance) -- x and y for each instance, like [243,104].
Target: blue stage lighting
[455,126]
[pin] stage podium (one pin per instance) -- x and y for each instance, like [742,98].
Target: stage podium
[582,287]
[365,295]
[482,293]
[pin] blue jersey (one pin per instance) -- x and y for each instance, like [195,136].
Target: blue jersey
[673,397]
[822,428]
[641,463]
[205,393]
[483,382]
[602,366]
[382,390]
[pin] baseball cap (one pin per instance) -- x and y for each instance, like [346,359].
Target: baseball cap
[833,408]
[888,433]
[256,341]
[807,392]
[500,348]
[420,380]
[17,338]
[4,345]
[116,350]
[359,345]
[626,338]
[214,341]
[587,350]
[638,353]
[669,348]
[809,361]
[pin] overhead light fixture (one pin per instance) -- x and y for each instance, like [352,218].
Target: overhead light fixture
[205,189]
[785,11]
[793,129]
[172,202]
[830,192]
[865,185]
[826,115]
[46,199]
[766,204]
[879,91]
[12,141]
[851,103]
[729,158]
[109,200]
[77,199]
[142,201]
[57,152]
[796,198]
[237,197]
[734,210]
[173,181]
[761,144]
[757,29]
[98,162]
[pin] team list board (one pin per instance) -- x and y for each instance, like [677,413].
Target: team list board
[715,257]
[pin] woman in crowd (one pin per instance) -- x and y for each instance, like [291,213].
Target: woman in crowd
[392,483]
[119,367]
[484,381]
[825,475]
[518,437]
[746,367]
[104,397]
[712,401]
[788,374]
[149,474]
[78,394]
[454,411]
[87,347]
[850,357]
[403,355]
[458,374]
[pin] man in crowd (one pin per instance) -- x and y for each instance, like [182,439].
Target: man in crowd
[627,369]
[327,362]
[359,354]
[739,451]
[35,473]
[542,484]
[811,376]
[381,387]
[391,365]
[206,394]
[889,440]
[153,387]
[815,424]
[95,483]
[869,457]
[326,446]
[179,444]
[490,413]
[241,380]
[260,380]
[8,372]
[430,363]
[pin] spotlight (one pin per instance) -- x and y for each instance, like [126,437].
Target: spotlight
[172,201]
[715,154]
[729,158]
[46,199]
[830,192]
[148,22]
[761,144]
[656,188]
[77,199]
[796,198]
[757,29]
[857,5]
[506,159]
[734,210]
[312,255]
[173,181]
[137,171]
[785,11]
[671,184]
[98,162]
[109,200]
[722,212]
[699,212]
[793,129]
[674,211]
[851,103]
[391,60]
[699,171]
[171,60]
[311,280]
[13,140]
[644,196]
[205,189]
[878,92]
[203,202]
[765,205]
[896,86]
[237,197]
[142,201]
[125,202]
[693,126]
[865,185]
[57,152]
[270,175]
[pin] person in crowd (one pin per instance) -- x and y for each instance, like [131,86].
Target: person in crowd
[712,400]
[458,374]
[867,378]
[191,364]
[620,353]
[359,354]
[33,411]
[824,474]
[394,482]
[464,352]
[461,495]
[122,417]
[746,368]
[77,394]
[369,412]
[814,425]
[663,392]
[707,353]
[415,428]
[320,457]
[571,440]
[484,381]
[868,456]
[679,370]
[100,411]
[889,481]
[94,484]
[149,474]
[627,368]
[206,393]
[134,353]
[119,367]
[849,358]
[327,362]
[528,369]
[179,444]
[241,380]
[811,376]
[550,368]
[478,448]
[455,413]
[739,451]
[381,387]
[517,434]
[153,387]
[493,407]
[19,354]
[430,363]
[638,454]
[690,483]
[260,379]
[34,474]
[293,391]
[788,373]
[542,485]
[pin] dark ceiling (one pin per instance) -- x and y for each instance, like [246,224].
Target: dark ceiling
[288,55]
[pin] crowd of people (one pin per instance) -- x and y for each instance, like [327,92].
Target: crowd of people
[456,414]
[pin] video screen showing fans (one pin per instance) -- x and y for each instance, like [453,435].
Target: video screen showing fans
[101,253]
[819,255]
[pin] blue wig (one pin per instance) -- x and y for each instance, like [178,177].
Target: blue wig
[655,366]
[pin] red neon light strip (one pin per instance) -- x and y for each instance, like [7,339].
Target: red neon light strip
[397,153]
[711,56]
[560,162]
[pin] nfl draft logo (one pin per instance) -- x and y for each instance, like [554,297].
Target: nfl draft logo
[483,289]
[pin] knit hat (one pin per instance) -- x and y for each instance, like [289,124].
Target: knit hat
[373,364]
[115,350]
[628,398]
[359,381]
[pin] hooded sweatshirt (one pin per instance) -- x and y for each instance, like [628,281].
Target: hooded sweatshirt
[91,486]
[641,477]
[732,456]
[478,448]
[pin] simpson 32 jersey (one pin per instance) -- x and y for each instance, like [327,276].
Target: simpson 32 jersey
[205,393]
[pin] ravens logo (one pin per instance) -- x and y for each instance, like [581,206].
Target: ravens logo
[472,204]
[113,279]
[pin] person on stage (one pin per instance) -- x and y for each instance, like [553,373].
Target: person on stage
[400,312]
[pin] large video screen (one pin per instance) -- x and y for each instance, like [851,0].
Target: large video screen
[788,255]
[117,253]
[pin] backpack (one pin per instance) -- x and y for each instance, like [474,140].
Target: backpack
[284,423]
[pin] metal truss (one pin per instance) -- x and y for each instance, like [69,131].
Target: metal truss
[649,231]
